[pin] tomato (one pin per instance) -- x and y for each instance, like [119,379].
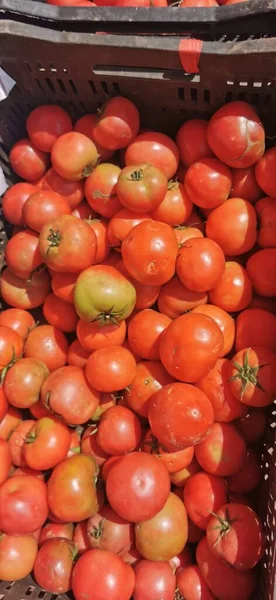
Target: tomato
[233,225]
[252,376]
[176,207]
[89,445]
[163,536]
[203,495]
[53,565]
[141,187]
[71,191]
[17,319]
[68,244]
[107,400]
[72,494]
[119,431]
[9,422]
[77,355]
[200,264]
[147,483]
[67,394]
[180,478]
[192,585]
[208,182]
[103,294]
[25,293]
[216,387]
[150,377]
[3,405]
[46,444]
[17,556]
[85,125]
[255,327]
[110,369]
[223,320]
[5,460]
[196,221]
[22,254]
[266,215]
[236,135]
[42,207]
[236,535]
[93,336]
[17,440]
[244,185]
[260,268]
[23,505]
[145,331]
[48,344]
[56,530]
[175,299]
[11,347]
[63,285]
[14,200]
[27,160]
[233,292]
[152,579]
[174,461]
[45,124]
[223,452]
[107,531]
[264,172]
[189,356]
[156,149]
[59,313]
[74,156]
[253,425]
[186,232]
[100,574]
[80,538]
[118,124]
[149,252]
[121,224]
[100,190]
[191,140]
[100,229]
[23,382]
[248,477]
[180,415]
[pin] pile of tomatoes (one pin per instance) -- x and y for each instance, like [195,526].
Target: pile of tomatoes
[132,412]
[145,3]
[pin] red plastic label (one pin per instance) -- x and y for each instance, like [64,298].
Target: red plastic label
[189,54]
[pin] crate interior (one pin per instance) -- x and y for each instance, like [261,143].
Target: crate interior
[59,69]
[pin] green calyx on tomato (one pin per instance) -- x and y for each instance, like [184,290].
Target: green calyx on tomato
[13,360]
[54,238]
[97,532]
[247,374]
[136,175]
[224,525]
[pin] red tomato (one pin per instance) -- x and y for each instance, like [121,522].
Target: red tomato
[11,347]
[176,207]
[94,335]
[43,207]
[233,291]
[121,224]
[22,253]
[27,160]
[5,460]
[17,556]
[255,327]
[253,425]
[180,478]
[72,191]
[118,124]
[60,393]
[63,286]
[252,376]
[192,585]
[145,331]
[25,293]
[53,565]
[14,200]
[203,495]
[107,531]
[156,149]
[84,211]
[266,215]
[260,268]
[85,125]
[46,444]
[23,505]
[155,265]
[264,172]
[175,299]
[3,405]
[60,314]
[77,355]
[9,422]
[110,369]
[248,477]
[89,445]
[23,382]
[100,190]
[190,346]
[152,579]
[17,319]
[174,461]
[54,530]
[48,344]
[150,377]
[80,538]
[100,229]
[74,156]
[119,431]
[236,135]
[47,123]
[17,440]
[215,385]
[208,182]
[180,415]
[244,185]
[236,535]
[192,143]
[68,244]
[141,188]
[102,574]
[146,482]
[233,225]
[223,320]
[200,264]
[223,452]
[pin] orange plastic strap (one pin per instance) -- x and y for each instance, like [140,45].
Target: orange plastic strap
[189,53]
